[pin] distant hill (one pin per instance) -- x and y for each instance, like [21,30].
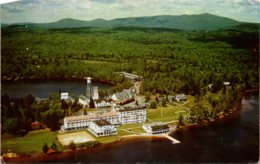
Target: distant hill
[74,23]
[183,22]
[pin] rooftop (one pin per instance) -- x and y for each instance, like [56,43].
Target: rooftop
[104,100]
[160,127]
[181,96]
[102,122]
[125,94]
[91,116]
[124,109]
[129,75]
[83,97]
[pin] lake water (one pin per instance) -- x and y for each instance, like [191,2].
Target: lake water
[43,89]
[232,140]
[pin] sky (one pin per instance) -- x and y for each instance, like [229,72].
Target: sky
[40,11]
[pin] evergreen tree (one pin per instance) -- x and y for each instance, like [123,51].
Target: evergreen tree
[45,148]
[157,99]
[72,146]
[136,103]
[180,122]
[153,105]
[54,146]
[147,97]
[164,103]
[85,112]
[11,125]
[91,103]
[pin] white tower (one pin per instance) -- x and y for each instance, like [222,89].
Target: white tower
[95,93]
[89,89]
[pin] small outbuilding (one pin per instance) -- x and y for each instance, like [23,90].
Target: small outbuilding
[156,128]
[50,151]
[83,100]
[180,97]
[36,125]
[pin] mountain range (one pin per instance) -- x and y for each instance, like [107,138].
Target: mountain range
[183,22]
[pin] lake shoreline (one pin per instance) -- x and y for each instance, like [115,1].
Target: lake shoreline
[232,113]
[42,157]
[206,123]
[6,79]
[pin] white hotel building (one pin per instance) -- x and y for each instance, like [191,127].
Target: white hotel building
[128,115]
[83,121]
[118,115]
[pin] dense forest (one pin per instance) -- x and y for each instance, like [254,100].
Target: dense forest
[170,61]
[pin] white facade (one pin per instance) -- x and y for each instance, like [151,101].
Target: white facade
[102,128]
[83,100]
[114,97]
[119,115]
[102,104]
[95,93]
[133,116]
[128,115]
[64,96]
[83,121]
[180,97]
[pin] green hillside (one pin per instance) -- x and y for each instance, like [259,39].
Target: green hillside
[183,22]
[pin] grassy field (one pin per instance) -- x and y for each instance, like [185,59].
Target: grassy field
[171,112]
[31,143]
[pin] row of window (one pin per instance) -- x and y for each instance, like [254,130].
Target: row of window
[133,112]
[159,132]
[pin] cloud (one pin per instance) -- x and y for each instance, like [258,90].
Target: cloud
[12,8]
[106,1]
[24,2]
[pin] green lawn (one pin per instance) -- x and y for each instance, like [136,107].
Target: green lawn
[129,126]
[168,113]
[123,130]
[30,143]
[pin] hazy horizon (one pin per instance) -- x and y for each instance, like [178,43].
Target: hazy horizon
[44,11]
[118,18]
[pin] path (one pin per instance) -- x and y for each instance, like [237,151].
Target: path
[171,122]
[180,104]
[128,131]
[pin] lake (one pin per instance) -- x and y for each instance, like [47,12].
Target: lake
[43,89]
